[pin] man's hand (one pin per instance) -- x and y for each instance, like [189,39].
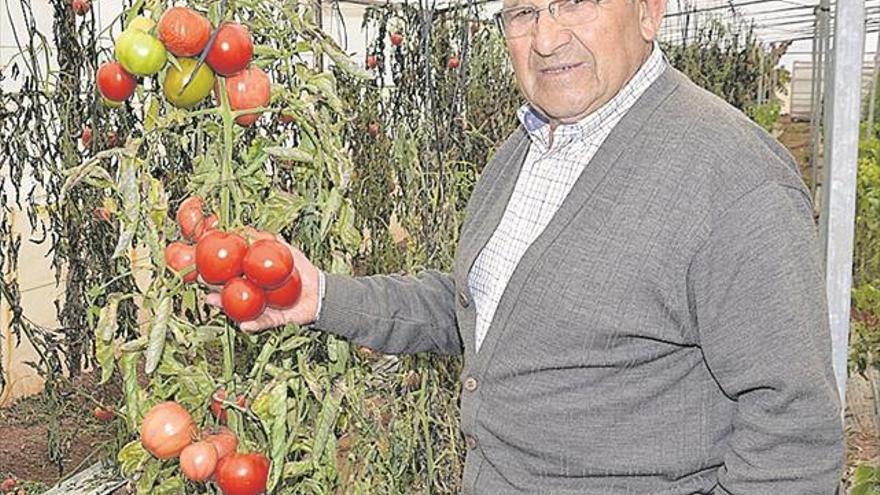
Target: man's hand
[303,312]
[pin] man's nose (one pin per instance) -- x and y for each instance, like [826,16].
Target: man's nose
[549,35]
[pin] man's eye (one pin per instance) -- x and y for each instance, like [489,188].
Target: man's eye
[522,14]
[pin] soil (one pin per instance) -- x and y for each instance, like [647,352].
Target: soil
[82,440]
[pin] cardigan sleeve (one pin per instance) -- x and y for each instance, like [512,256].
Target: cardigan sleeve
[393,314]
[757,290]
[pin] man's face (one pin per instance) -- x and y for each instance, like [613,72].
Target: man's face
[569,72]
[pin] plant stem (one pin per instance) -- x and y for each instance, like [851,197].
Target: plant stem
[225,220]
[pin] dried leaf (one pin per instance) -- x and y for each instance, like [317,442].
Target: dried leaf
[158,332]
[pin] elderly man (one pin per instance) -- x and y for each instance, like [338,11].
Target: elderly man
[637,290]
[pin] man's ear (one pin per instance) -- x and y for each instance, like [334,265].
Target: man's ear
[651,14]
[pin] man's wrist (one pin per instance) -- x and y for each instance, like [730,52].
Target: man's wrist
[321,291]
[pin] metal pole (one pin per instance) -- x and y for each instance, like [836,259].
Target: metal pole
[761,76]
[838,221]
[816,119]
[872,101]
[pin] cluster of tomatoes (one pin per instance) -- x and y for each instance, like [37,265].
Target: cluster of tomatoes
[142,51]
[168,431]
[254,268]
[7,487]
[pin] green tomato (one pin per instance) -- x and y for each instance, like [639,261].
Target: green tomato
[142,23]
[140,53]
[198,88]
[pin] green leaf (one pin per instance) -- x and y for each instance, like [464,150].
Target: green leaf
[343,60]
[90,169]
[327,421]
[280,210]
[151,113]
[329,209]
[130,387]
[290,154]
[170,486]
[127,185]
[104,355]
[107,322]
[158,331]
[271,407]
[131,457]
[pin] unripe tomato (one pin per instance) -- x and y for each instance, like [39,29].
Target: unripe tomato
[453,63]
[219,256]
[268,263]
[211,222]
[396,39]
[198,460]
[223,439]
[141,23]
[243,474]
[372,61]
[184,31]
[179,257]
[102,414]
[140,53]
[81,7]
[196,91]
[248,89]
[232,49]
[217,407]
[190,215]
[242,299]
[167,429]
[110,103]
[285,296]
[114,82]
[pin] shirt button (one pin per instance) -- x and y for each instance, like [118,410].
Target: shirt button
[463,299]
[471,442]
[470,384]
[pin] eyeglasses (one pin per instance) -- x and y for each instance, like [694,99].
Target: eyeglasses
[519,21]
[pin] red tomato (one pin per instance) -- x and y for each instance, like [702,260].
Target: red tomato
[286,295]
[217,407]
[396,39]
[219,256]
[81,7]
[184,31]
[243,474]
[8,484]
[86,137]
[372,61]
[189,216]
[211,222]
[248,89]
[102,414]
[286,118]
[167,429]
[223,439]
[232,50]
[179,257]
[373,129]
[114,83]
[198,460]
[112,139]
[102,213]
[242,299]
[268,263]
[453,63]
[253,235]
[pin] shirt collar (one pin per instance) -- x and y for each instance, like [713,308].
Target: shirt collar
[605,117]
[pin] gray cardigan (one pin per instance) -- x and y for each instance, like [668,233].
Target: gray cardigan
[666,333]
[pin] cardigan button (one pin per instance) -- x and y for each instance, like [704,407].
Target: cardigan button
[470,384]
[463,299]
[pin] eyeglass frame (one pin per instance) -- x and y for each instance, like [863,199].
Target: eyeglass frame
[552,8]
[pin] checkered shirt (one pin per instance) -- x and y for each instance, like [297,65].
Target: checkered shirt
[545,180]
